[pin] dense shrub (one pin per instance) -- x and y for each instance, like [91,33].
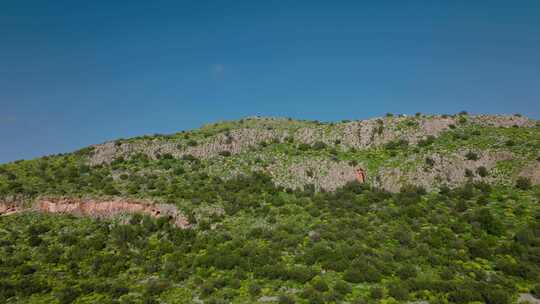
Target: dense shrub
[523,183]
[471,155]
[536,290]
[225,153]
[398,291]
[285,299]
[482,171]
[247,231]
[319,145]
[429,140]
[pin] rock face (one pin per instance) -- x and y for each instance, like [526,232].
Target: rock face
[447,170]
[321,173]
[110,208]
[361,134]
[235,142]
[8,207]
[528,298]
[532,171]
[99,208]
[450,168]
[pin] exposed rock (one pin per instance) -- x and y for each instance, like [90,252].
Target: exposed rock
[99,208]
[110,208]
[265,299]
[322,173]
[235,142]
[532,172]
[446,169]
[360,134]
[503,121]
[8,207]
[328,174]
[528,298]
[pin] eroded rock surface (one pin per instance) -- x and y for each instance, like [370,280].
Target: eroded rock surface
[532,171]
[321,173]
[98,208]
[528,298]
[110,208]
[8,207]
[235,142]
[359,134]
[447,170]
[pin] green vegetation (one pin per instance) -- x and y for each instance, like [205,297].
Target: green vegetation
[355,243]
[258,233]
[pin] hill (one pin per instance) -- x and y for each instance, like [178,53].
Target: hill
[271,210]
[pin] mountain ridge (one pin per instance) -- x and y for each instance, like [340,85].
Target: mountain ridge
[423,150]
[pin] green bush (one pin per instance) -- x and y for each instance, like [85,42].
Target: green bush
[471,156]
[398,291]
[523,183]
[319,284]
[319,145]
[254,289]
[482,171]
[536,290]
[285,299]
[429,140]
[225,153]
[376,293]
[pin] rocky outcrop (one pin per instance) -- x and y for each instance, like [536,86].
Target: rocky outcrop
[236,141]
[110,208]
[8,207]
[527,298]
[361,134]
[532,172]
[321,173]
[502,121]
[452,170]
[104,208]
[447,170]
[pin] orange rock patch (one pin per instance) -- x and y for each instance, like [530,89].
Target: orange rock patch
[110,208]
[7,208]
[100,208]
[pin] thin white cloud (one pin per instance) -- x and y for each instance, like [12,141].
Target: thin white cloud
[7,119]
[218,69]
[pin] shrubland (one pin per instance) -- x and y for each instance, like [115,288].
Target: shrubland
[265,228]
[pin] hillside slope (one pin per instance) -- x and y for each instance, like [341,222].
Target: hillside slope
[429,151]
[266,210]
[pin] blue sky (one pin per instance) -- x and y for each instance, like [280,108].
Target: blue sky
[75,73]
